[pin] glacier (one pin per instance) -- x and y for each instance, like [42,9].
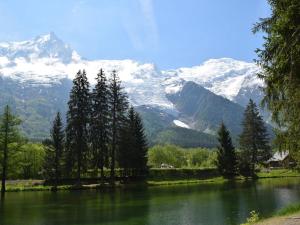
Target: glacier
[179,123]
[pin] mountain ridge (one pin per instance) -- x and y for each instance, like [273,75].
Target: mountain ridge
[46,59]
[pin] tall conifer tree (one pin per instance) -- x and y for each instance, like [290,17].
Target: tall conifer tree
[118,105]
[54,150]
[226,158]
[100,122]
[78,117]
[9,133]
[132,156]
[49,162]
[254,140]
[57,135]
[141,146]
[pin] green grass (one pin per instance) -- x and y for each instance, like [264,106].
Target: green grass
[277,173]
[186,181]
[288,210]
[19,188]
[38,185]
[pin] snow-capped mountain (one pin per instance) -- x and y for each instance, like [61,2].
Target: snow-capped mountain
[44,46]
[47,62]
[224,76]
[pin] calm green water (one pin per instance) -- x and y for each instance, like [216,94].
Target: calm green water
[183,205]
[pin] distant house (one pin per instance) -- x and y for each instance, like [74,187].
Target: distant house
[280,159]
[166,166]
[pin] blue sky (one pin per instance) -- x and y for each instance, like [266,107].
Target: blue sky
[169,33]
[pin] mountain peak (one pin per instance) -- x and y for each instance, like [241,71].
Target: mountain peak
[49,37]
[43,46]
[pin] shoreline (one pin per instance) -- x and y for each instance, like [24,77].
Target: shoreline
[280,220]
[37,185]
[287,215]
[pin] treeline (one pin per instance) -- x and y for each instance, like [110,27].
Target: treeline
[102,131]
[254,146]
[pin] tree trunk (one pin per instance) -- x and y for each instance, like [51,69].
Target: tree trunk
[56,170]
[79,157]
[102,174]
[113,150]
[4,163]
[78,167]
[112,165]
[4,167]
[101,166]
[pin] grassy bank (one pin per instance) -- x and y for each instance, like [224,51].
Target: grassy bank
[157,177]
[38,185]
[287,215]
[278,173]
[289,210]
[185,181]
[186,176]
[33,185]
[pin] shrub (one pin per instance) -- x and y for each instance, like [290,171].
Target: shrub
[253,218]
[181,157]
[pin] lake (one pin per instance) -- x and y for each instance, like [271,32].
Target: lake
[207,204]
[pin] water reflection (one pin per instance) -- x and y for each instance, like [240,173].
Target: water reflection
[207,204]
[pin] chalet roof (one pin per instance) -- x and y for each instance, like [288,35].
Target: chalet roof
[279,156]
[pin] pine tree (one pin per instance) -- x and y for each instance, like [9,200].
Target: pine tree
[254,141]
[54,150]
[127,150]
[132,157]
[9,133]
[279,59]
[49,162]
[118,105]
[100,122]
[226,158]
[141,146]
[78,116]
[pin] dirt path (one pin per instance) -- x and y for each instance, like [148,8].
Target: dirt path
[285,220]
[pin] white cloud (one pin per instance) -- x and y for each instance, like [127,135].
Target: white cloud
[133,33]
[150,22]
[140,25]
